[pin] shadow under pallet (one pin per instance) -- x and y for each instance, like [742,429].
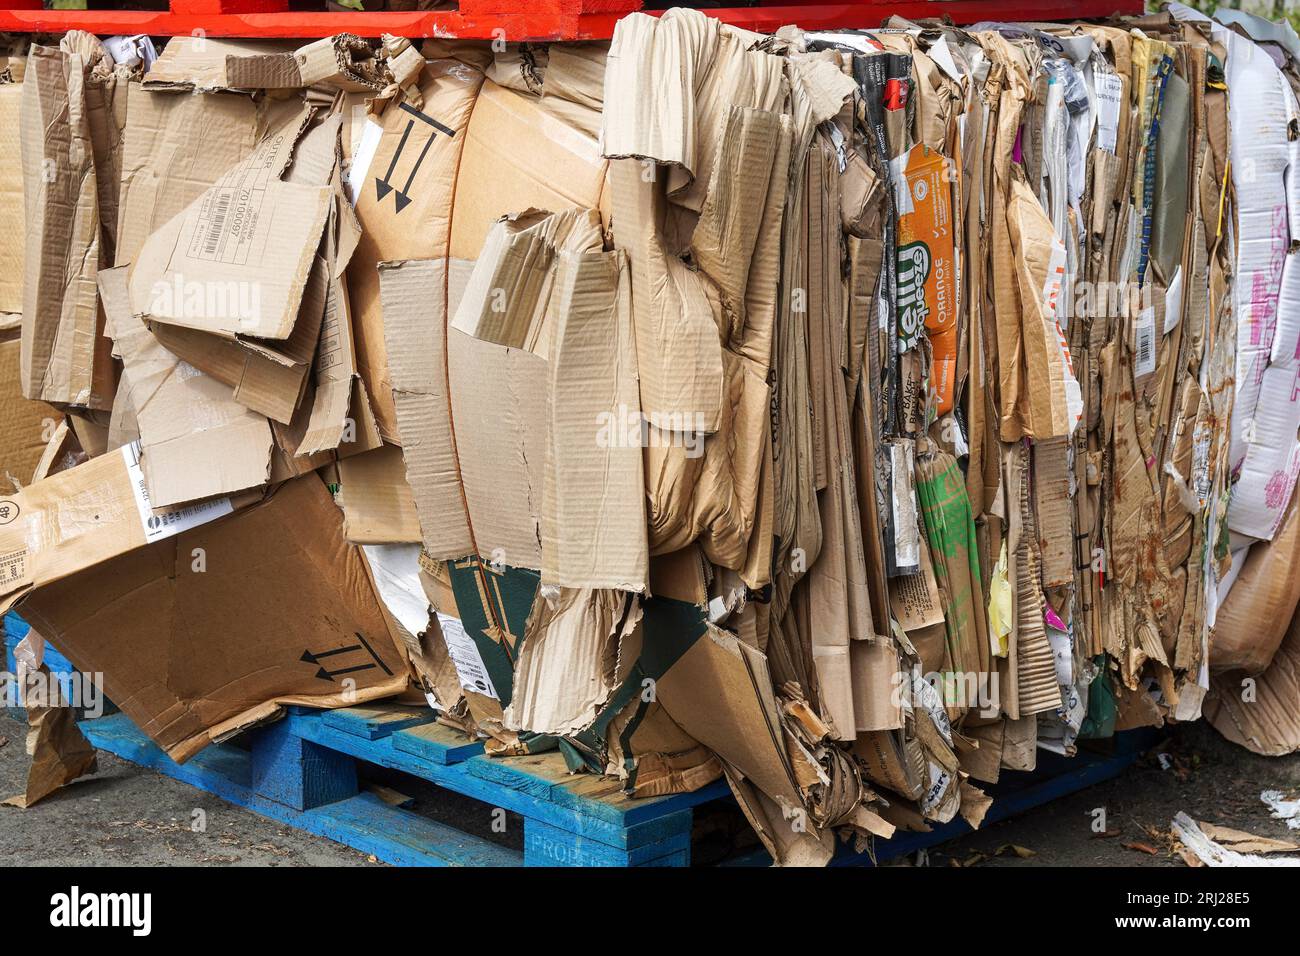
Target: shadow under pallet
[303,771]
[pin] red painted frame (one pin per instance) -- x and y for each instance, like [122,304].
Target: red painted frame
[488,19]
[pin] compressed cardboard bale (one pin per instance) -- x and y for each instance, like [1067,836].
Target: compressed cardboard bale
[1265,452]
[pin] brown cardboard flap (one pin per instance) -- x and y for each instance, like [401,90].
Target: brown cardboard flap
[193,656]
[593,528]
[196,440]
[268,376]
[199,63]
[62,360]
[413,297]
[377,504]
[566,670]
[13,216]
[237,260]
[514,278]
[25,426]
[404,202]
[175,147]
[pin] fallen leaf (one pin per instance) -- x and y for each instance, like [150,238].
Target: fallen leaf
[1141,848]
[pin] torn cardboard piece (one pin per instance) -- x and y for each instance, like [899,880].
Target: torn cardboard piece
[280,587]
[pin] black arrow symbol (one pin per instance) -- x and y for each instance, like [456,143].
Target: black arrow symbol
[377,659]
[403,199]
[382,186]
[310,658]
[323,674]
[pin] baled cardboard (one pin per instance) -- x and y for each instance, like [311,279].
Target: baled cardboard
[1265,448]
[284,612]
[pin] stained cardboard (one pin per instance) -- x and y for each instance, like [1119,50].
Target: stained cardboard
[193,657]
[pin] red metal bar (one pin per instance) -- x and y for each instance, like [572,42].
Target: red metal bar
[555,21]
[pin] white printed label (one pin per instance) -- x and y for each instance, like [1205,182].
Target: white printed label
[1110,88]
[163,524]
[465,657]
[1144,346]
[933,795]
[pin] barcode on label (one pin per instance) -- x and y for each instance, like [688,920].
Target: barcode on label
[217,224]
[13,567]
[1144,348]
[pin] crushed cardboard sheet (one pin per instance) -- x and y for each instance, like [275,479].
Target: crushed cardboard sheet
[1219,846]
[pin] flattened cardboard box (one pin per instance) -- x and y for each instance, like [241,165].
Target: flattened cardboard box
[83,516]
[284,607]
[176,147]
[64,358]
[238,258]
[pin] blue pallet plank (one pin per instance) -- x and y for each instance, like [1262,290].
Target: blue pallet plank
[437,744]
[363,822]
[466,778]
[401,838]
[375,722]
[548,846]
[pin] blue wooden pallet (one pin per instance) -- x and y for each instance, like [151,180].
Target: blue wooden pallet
[303,771]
